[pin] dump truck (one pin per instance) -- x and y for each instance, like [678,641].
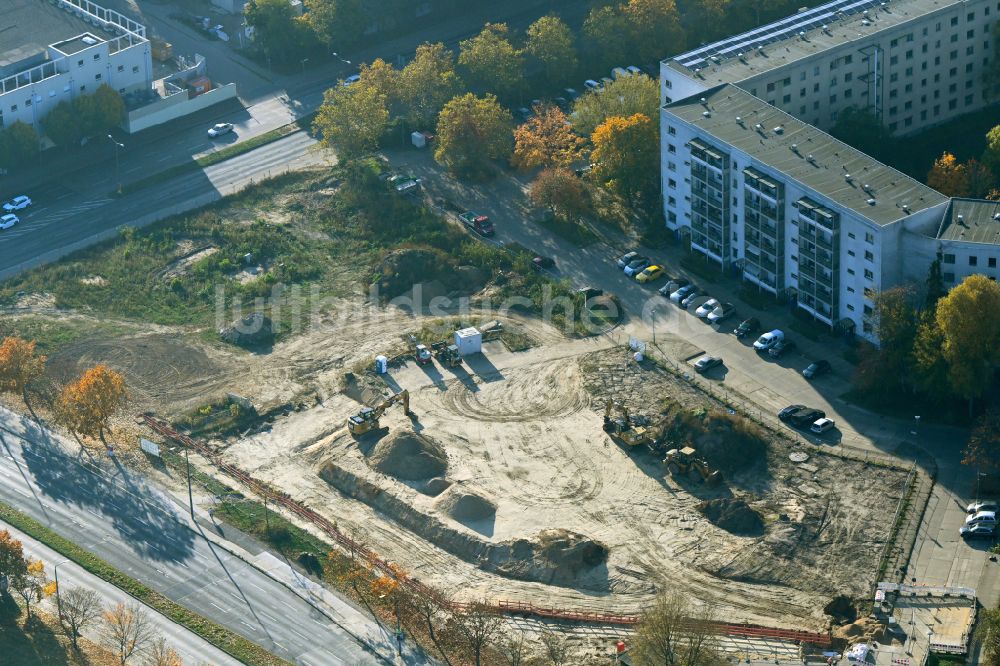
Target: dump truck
[368,418]
[686,461]
[476,222]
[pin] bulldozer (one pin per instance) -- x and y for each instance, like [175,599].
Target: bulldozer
[687,461]
[623,428]
[368,418]
[447,354]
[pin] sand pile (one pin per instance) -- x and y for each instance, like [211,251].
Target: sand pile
[466,507]
[570,550]
[733,515]
[409,456]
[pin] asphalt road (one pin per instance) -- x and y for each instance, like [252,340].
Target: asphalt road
[138,529]
[189,646]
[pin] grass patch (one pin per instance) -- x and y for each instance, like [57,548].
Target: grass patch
[219,418]
[809,328]
[574,232]
[944,660]
[54,334]
[237,646]
[698,265]
[757,298]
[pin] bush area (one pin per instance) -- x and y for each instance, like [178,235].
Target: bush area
[729,442]
[218,418]
[225,640]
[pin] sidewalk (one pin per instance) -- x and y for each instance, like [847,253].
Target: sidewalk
[190,647]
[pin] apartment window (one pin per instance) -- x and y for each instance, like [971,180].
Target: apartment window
[671,217]
[893,110]
[908,88]
[968,100]
[953,55]
[83,88]
[970,17]
[909,54]
[937,61]
[893,126]
[833,81]
[848,94]
[671,201]
[13,107]
[923,49]
[849,306]
[937,109]
[671,166]
[909,37]
[968,68]
[787,81]
[848,77]
[97,56]
[969,34]
[850,253]
[802,75]
[135,69]
[121,68]
[833,99]
[850,234]
[770,87]
[869,275]
[893,93]
[991,262]
[907,106]
[894,60]
[893,77]
[867,327]
[815,87]
[948,259]
[786,99]
[671,148]
[671,183]
[771,102]
[973,260]
[79,63]
[816,70]
[802,93]
[954,20]
[923,115]
[869,256]
[848,59]
[952,104]
[802,110]
[850,271]
[909,71]
[97,77]
[869,238]
[816,108]
[907,121]
[868,310]
[27,102]
[893,44]
[954,39]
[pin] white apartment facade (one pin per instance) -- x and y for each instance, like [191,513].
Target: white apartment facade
[74,48]
[788,208]
[914,63]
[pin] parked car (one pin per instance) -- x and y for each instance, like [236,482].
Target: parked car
[780,347]
[816,368]
[8,220]
[352,79]
[606,81]
[673,285]
[543,263]
[626,259]
[571,93]
[976,531]
[806,417]
[650,274]
[592,85]
[562,103]
[633,70]
[524,113]
[985,505]
[768,340]
[982,518]
[746,327]
[822,425]
[682,292]
[477,222]
[706,363]
[690,298]
[705,308]
[219,129]
[788,412]
[638,264]
[619,72]
[721,312]
[17,203]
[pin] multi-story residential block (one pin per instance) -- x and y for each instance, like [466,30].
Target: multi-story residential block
[54,50]
[802,215]
[913,63]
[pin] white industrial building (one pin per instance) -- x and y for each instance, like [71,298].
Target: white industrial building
[914,63]
[790,209]
[54,50]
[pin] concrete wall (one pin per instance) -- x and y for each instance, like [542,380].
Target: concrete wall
[157,114]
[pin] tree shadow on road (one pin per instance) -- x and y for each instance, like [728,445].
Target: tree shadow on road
[139,513]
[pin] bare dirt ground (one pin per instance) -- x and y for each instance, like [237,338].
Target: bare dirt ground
[535,503]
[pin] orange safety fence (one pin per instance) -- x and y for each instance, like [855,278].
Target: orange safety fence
[387,568]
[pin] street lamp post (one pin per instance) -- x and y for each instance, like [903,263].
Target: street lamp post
[652,314]
[187,461]
[304,61]
[117,172]
[55,573]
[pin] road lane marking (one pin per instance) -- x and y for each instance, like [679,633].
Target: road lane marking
[224,610]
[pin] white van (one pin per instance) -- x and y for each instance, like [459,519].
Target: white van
[982,518]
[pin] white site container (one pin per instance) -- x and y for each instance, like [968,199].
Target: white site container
[381,364]
[469,341]
[418,139]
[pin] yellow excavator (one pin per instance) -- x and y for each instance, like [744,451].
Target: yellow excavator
[367,419]
[622,428]
[687,461]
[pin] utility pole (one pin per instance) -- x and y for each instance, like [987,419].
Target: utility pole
[187,460]
[55,571]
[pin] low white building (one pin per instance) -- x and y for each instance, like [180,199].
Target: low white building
[55,50]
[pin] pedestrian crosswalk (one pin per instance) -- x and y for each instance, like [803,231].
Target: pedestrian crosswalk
[45,216]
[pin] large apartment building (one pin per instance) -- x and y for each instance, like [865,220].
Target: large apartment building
[54,50]
[914,63]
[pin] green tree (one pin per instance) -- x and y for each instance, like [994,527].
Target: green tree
[983,449]
[546,140]
[935,284]
[471,131]
[63,126]
[606,36]
[351,119]
[278,32]
[655,27]
[886,370]
[979,178]
[550,43]
[705,18]
[991,157]
[384,78]
[339,24]
[108,108]
[626,96]
[626,154]
[930,370]
[969,318]
[490,62]
[427,83]
[988,636]
[20,143]
[860,128]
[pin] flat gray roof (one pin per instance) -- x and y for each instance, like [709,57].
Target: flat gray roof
[830,159]
[28,27]
[778,44]
[979,223]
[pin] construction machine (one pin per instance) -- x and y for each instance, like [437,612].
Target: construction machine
[624,428]
[447,354]
[687,461]
[368,418]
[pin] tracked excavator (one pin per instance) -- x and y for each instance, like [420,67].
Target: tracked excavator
[623,428]
[687,461]
[368,418]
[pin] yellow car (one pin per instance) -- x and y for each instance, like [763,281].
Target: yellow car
[650,274]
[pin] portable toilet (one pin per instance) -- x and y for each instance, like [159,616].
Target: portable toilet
[381,364]
[418,139]
[469,341]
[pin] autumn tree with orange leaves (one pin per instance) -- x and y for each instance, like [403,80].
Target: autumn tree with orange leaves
[19,367]
[31,584]
[87,405]
[626,154]
[562,192]
[546,140]
[949,176]
[11,556]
